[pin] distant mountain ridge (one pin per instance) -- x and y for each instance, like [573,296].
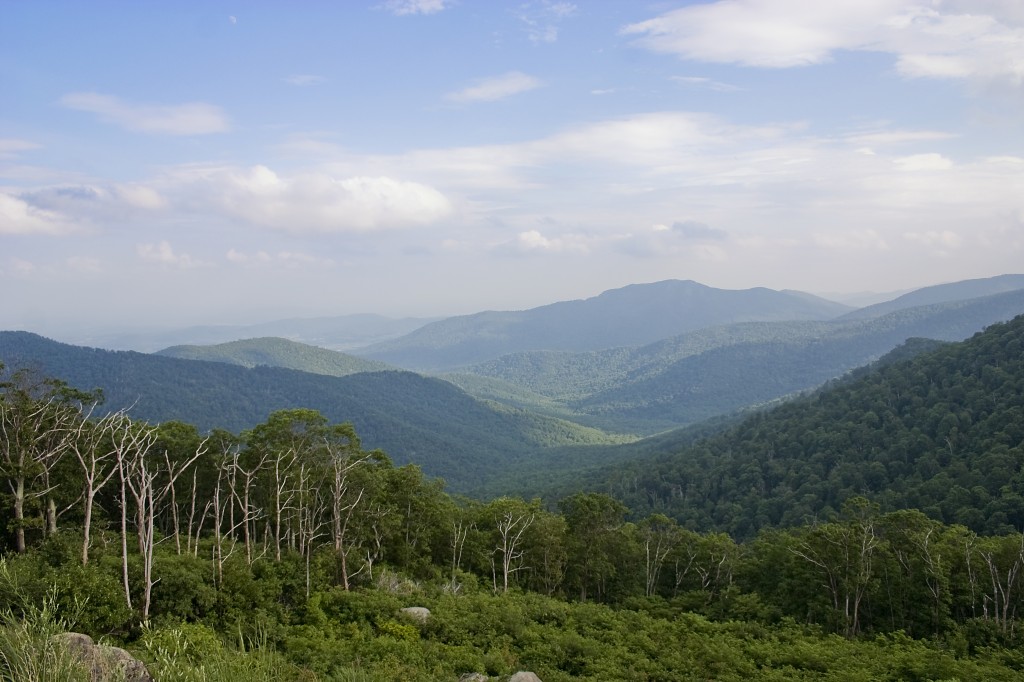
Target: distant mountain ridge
[630,316]
[277,352]
[715,371]
[941,293]
[340,332]
[515,407]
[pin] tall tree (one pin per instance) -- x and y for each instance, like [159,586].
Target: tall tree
[38,417]
[594,522]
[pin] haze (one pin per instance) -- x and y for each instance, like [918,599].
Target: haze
[224,162]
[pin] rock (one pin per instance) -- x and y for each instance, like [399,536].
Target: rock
[78,644]
[523,676]
[121,663]
[419,614]
[105,663]
[473,677]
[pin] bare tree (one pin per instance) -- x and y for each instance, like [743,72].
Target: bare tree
[241,483]
[36,419]
[130,444]
[511,519]
[97,463]
[173,472]
[659,535]
[343,458]
[283,463]
[311,508]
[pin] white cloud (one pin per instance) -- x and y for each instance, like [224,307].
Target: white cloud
[195,118]
[687,237]
[22,268]
[84,264]
[304,79]
[851,240]
[532,241]
[96,203]
[698,231]
[884,137]
[18,216]
[495,88]
[163,253]
[776,33]
[938,240]
[922,162]
[708,83]
[293,259]
[951,40]
[242,257]
[541,19]
[298,259]
[309,202]
[406,7]
[12,147]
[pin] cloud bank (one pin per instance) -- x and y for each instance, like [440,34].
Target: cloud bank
[929,40]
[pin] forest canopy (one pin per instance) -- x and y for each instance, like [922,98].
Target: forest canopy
[293,540]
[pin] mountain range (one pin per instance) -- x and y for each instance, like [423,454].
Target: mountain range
[551,388]
[337,333]
[634,315]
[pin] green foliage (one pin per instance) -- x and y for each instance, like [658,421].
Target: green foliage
[88,596]
[398,412]
[940,433]
[31,649]
[194,653]
[295,551]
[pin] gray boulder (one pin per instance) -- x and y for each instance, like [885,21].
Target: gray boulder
[420,614]
[105,663]
[473,677]
[523,676]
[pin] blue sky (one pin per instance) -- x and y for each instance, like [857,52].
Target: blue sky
[203,162]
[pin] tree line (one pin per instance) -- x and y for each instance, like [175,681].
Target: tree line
[299,491]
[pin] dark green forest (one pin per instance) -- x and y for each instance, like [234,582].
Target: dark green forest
[942,433]
[868,531]
[397,411]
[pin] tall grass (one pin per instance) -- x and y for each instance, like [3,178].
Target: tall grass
[31,649]
[194,653]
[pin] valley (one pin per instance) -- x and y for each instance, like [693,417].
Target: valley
[546,501]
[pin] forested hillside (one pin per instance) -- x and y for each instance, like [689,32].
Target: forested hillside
[689,378]
[277,352]
[291,551]
[943,433]
[415,418]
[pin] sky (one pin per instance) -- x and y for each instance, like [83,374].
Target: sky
[204,162]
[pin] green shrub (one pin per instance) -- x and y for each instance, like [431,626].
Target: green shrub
[30,647]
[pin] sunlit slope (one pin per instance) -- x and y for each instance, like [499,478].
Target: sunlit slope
[277,352]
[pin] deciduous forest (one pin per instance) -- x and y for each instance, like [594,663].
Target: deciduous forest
[893,550]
